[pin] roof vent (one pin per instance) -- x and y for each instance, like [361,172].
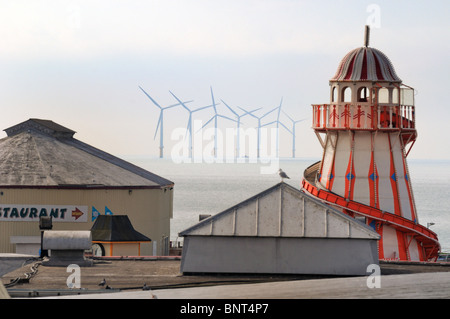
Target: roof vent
[67,247]
[113,228]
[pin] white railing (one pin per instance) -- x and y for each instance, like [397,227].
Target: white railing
[363,116]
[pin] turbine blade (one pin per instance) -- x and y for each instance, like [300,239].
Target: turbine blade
[179,101]
[286,128]
[229,108]
[212,118]
[259,108]
[212,94]
[188,128]
[279,109]
[173,105]
[268,123]
[201,108]
[249,113]
[212,97]
[226,117]
[245,111]
[269,112]
[288,116]
[150,98]
[157,126]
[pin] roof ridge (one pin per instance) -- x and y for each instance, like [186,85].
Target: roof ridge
[44,126]
[112,159]
[207,223]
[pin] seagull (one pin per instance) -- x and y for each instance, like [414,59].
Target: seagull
[145,287]
[102,283]
[282,174]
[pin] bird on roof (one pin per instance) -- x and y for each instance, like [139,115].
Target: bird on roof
[102,283]
[282,174]
[145,287]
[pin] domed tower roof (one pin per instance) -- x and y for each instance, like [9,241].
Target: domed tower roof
[366,64]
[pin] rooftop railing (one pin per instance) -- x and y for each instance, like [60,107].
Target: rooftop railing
[363,117]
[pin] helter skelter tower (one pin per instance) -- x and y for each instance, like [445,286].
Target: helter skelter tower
[366,132]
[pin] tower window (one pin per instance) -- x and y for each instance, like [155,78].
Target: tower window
[395,96]
[346,94]
[363,94]
[333,94]
[383,95]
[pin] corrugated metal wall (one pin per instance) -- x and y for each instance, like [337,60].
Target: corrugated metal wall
[149,211]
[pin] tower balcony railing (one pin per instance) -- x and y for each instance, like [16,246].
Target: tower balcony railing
[363,116]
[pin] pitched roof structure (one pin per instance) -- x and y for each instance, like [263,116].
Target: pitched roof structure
[366,64]
[281,211]
[113,228]
[41,153]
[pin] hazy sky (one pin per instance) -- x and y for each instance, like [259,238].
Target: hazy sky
[79,63]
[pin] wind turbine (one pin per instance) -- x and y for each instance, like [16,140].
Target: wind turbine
[189,125]
[293,132]
[215,117]
[238,125]
[259,125]
[278,123]
[160,122]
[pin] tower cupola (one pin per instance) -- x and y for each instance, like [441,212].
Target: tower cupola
[367,94]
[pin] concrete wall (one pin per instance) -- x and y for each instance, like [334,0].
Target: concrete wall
[28,245]
[221,254]
[149,211]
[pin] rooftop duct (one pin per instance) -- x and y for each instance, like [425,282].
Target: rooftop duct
[67,247]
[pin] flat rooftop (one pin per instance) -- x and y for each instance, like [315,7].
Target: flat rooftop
[128,276]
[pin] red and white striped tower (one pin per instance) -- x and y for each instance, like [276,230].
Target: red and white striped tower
[366,132]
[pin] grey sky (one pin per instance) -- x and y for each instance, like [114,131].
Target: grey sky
[79,63]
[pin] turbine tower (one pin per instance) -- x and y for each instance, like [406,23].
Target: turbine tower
[259,118]
[238,151]
[160,122]
[189,125]
[215,117]
[278,123]
[278,126]
[293,132]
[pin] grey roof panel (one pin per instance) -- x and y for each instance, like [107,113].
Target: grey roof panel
[117,161]
[32,155]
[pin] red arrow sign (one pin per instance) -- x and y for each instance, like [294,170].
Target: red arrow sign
[77,213]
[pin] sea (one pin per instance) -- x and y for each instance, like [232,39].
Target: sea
[212,187]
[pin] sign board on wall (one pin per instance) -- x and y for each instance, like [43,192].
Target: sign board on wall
[59,213]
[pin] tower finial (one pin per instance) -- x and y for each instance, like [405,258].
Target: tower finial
[366,36]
